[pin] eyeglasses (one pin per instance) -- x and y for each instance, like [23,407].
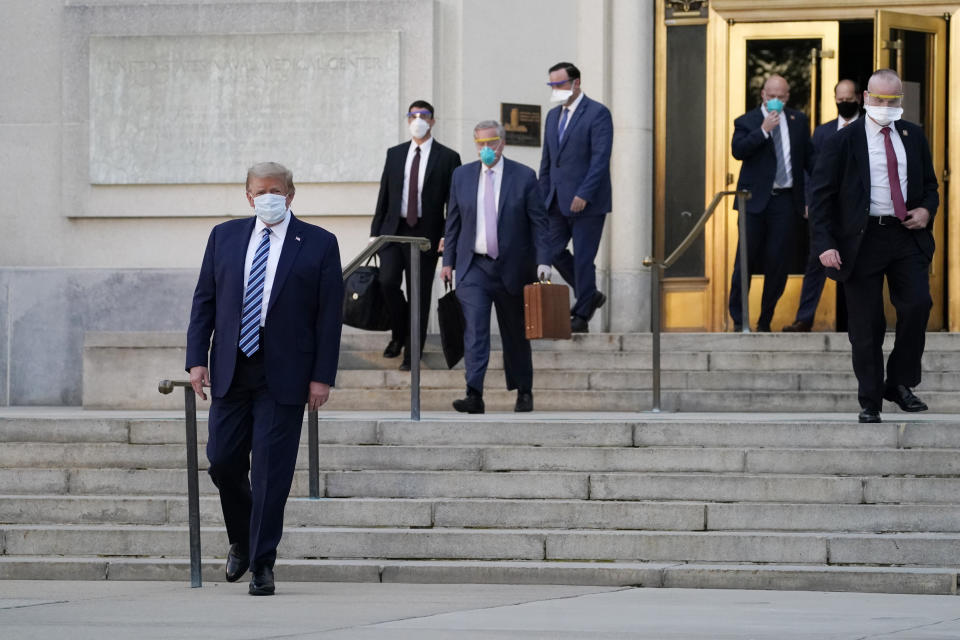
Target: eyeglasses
[420,113]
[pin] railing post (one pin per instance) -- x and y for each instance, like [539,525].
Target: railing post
[313,444]
[744,272]
[655,274]
[415,293]
[193,486]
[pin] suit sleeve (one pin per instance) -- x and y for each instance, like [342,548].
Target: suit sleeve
[538,221]
[746,141]
[815,144]
[383,201]
[931,196]
[452,232]
[825,193]
[329,320]
[454,164]
[203,311]
[544,176]
[601,145]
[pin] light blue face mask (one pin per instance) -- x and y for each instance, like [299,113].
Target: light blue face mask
[270,207]
[775,104]
[488,156]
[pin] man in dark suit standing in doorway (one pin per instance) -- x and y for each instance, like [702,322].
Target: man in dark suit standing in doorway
[413,196]
[874,199]
[847,94]
[773,142]
[270,292]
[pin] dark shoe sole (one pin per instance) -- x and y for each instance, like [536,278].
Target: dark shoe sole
[903,407]
[262,591]
[462,409]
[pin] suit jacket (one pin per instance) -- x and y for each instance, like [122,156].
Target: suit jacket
[759,158]
[301,337]
[580,164]
[841,192]
[522,233]
[820,136]
[433,194]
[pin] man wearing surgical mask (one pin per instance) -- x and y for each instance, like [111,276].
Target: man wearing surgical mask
[496,235]
[412,202]
[575,181]
[270,294]
[875,194]
[773,143]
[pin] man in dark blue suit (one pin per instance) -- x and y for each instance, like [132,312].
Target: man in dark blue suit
[575,181]
[875,194]
[270,292]
[847,95]
[496,234]
[773,142]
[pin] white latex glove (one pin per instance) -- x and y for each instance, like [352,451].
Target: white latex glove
[544,271]
[372,238]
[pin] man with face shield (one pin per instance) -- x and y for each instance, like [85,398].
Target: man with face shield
[495,237]
[414,188]
[575,181]
[874,199]
[270,293]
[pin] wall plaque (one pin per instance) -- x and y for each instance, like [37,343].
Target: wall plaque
[522,122]
[202,109]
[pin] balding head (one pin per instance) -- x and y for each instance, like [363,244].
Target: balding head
[776,86]
[884,82]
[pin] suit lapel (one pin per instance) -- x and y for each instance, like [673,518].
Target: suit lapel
[469,200]
[909,149]
[574,119]
[431,161]
[238,249]
[288,254]
[506,181]
[860,152]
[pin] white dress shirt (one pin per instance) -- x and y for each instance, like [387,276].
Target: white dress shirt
[841,123]
[784,145]
[424,154]
[480,246]
[277,233]
[881,203]
[573,107]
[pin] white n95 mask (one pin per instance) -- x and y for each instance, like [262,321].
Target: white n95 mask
[419,128]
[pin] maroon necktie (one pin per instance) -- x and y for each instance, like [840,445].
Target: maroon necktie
[893,176]
[413,193]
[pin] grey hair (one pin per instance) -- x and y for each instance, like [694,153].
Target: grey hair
[491,124]
[884,74]
[271,170]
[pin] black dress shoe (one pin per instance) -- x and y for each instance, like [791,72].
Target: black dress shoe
[473,403]
[393,349]
[869,415]
[261,584]
[798,327]
[237,563]
[598,301]
[737,327]
[578,325]
[763,328]
[405,365]
[524,402]
[904,398]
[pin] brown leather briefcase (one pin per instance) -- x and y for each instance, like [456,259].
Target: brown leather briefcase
[546,311]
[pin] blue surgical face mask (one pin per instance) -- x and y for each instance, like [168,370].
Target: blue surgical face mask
[488,156]
[270,207]
[775,104]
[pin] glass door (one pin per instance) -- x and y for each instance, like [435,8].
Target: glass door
[806,55]
[916,47]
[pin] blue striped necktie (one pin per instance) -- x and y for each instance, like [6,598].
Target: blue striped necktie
[563,124]
[253,301]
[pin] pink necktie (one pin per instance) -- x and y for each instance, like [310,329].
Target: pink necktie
[893,176]
[490,215]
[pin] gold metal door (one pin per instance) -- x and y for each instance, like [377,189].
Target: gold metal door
[916,48]
[805,53]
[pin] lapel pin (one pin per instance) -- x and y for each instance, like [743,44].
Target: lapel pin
[298,238]
[904,132]
[793,117]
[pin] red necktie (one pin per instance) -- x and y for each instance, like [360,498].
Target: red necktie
[414,192]
[893,176]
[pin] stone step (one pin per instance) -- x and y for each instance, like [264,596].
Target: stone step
[920,549]
[813,577]
[489,514]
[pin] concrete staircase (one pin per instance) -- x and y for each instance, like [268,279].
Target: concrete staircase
[593,372]
[682,500]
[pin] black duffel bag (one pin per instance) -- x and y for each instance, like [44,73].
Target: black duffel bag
[363,304]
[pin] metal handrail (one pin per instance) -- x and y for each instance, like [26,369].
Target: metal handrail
[656,276]
[413,287]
